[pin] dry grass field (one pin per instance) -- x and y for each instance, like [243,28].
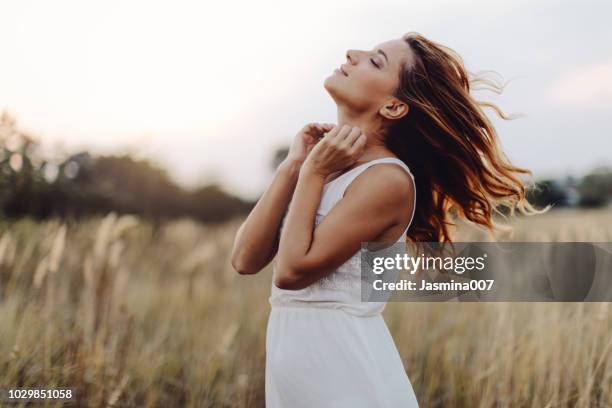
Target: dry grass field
[130,314]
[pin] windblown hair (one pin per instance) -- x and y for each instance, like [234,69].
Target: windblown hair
[451,146]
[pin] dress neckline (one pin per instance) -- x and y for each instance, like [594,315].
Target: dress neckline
[362,164]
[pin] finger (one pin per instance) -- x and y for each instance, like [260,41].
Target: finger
[332,133]
[318,130]
[319,127]
[351,137]
[342,133]
[326,126]
[308,129]
[359,145]
[323,129]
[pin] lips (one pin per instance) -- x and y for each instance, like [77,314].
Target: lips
[342,70]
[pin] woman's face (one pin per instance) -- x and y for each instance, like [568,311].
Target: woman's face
[371,76]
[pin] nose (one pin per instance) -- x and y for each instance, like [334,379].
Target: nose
[350,56]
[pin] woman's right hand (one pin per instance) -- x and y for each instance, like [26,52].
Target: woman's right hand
[305,140]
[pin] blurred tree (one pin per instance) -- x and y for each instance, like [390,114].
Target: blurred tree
[596,187]
[547,192]
[81,185]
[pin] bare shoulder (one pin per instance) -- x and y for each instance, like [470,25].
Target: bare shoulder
[388,182]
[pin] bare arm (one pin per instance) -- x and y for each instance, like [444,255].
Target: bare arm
[373,203]
[257,239]
[377,199]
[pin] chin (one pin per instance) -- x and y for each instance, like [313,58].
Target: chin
[330,86]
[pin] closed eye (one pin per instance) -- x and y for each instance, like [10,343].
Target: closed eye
[376,65]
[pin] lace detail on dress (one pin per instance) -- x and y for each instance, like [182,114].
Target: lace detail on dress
[347,277]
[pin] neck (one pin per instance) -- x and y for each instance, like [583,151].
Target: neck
[375,141]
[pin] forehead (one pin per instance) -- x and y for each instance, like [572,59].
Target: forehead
[397,50]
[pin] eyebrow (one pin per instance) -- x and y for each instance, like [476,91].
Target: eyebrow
[383,53]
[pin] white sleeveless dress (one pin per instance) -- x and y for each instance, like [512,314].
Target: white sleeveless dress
[324,347]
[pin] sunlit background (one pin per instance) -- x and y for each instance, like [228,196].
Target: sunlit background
[211,89]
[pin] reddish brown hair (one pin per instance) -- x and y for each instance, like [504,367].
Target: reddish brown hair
[451,146]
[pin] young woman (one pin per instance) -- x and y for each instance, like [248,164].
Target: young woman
[411,149]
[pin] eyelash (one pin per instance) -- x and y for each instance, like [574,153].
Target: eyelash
[376,65]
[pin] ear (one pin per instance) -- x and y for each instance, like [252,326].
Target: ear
[394,109]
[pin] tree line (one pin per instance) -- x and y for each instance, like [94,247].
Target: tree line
[82,184]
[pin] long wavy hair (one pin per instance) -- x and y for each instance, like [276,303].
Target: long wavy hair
[451,146]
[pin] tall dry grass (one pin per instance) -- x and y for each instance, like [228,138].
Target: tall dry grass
[129,314]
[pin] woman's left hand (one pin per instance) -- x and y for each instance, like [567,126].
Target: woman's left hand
[305,140]
[337,150]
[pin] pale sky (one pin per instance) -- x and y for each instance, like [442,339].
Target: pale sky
[210,89]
